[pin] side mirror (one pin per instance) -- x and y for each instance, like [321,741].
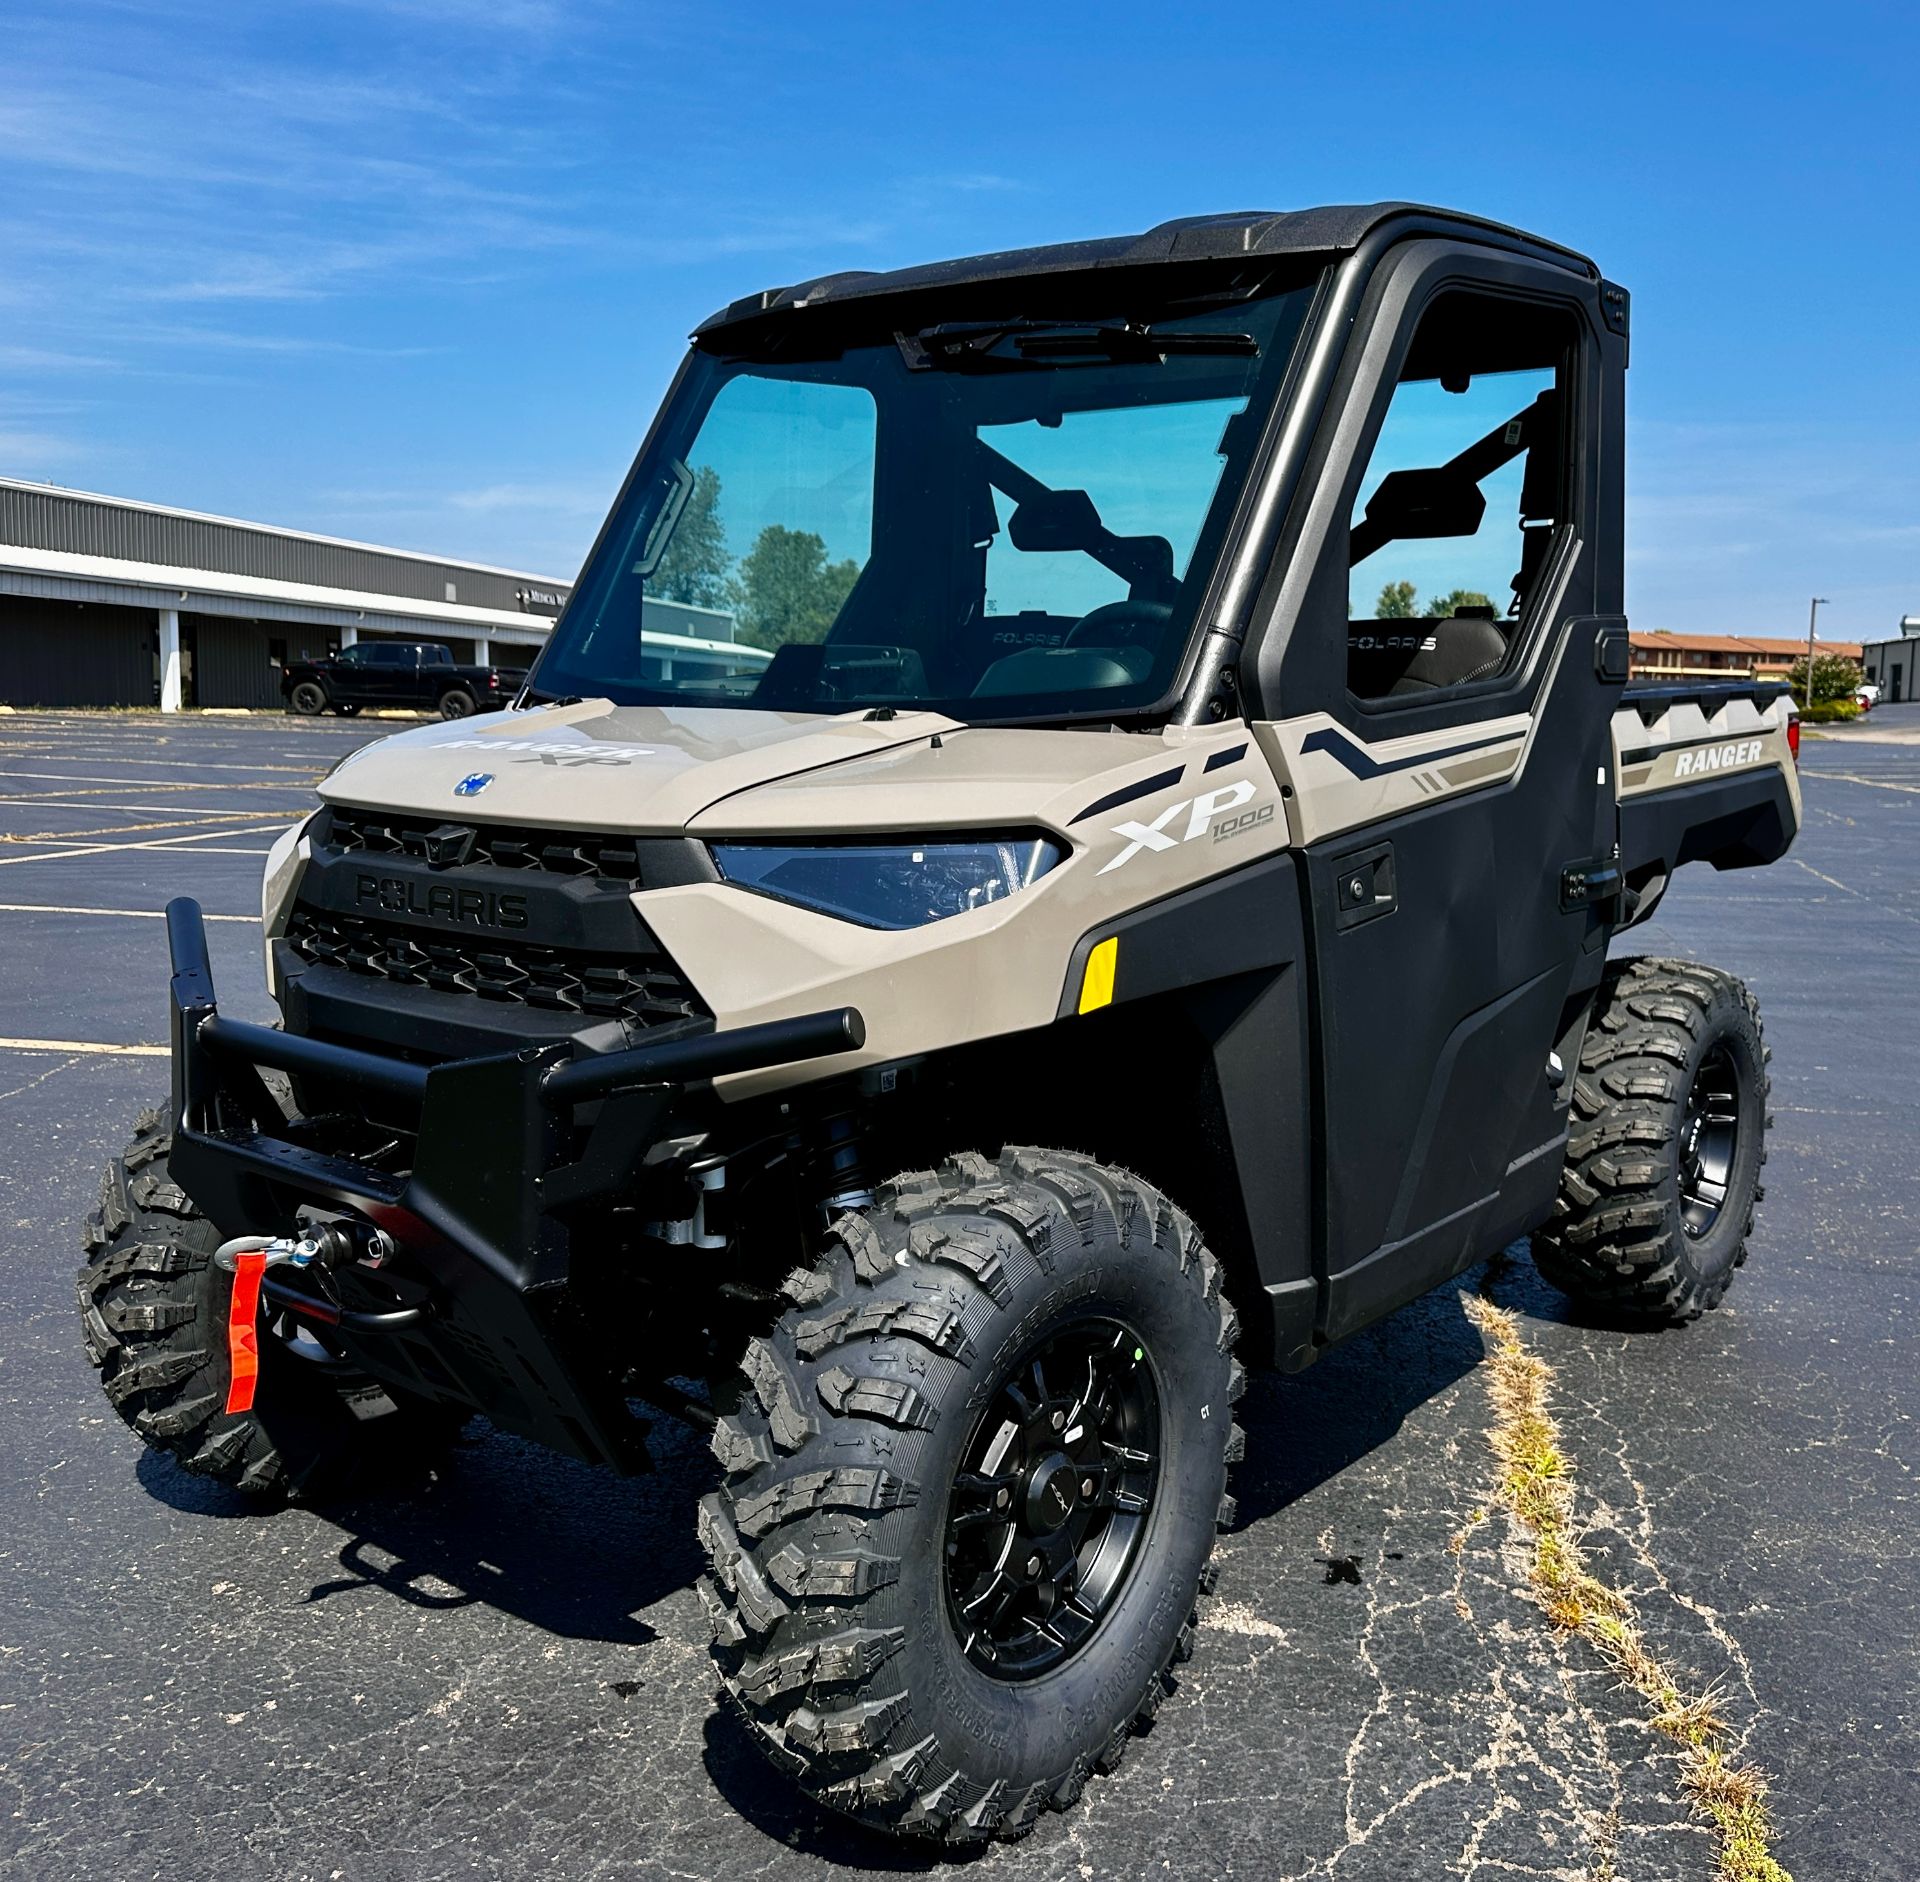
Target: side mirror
[1056,519]
[1424,503]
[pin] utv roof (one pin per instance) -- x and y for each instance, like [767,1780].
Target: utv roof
[1233,236]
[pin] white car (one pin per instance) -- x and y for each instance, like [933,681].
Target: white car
[1868,694]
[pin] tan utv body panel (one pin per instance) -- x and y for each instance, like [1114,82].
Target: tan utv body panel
[1329,796]
[1216,804]
[1000,969]
[599,766]
[723,775]
[1688,745]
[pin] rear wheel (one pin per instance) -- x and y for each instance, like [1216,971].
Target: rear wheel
[153,1311]
[308,698]
[971,1501]
[455,703]
[1667,1142]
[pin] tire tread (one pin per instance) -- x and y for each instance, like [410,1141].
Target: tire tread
[1614,1238]
[792,1537]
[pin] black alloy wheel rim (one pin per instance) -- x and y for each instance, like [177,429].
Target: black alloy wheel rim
[1050,1506]
[1709,1140]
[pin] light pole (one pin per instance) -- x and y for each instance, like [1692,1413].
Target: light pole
[1813,614]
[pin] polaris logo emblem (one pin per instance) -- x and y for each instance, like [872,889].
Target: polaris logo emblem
[473,784]
[441,901]
[1688,764]
[1201,813]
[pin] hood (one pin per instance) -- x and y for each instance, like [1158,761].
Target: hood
[636,768]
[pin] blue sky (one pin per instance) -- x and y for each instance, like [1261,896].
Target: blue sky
[418,270]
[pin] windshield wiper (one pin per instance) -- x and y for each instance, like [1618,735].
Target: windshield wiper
[962,346]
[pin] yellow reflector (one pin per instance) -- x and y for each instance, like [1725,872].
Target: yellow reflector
[1096,990]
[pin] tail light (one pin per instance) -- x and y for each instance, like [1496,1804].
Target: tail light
[493,683]
[1793,737]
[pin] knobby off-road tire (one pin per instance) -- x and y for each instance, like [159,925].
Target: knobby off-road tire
[1667,1140]
[308,699]
[153,1310]
[838,1623]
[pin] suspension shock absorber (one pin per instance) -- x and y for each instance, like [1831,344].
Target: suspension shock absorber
[842,1179]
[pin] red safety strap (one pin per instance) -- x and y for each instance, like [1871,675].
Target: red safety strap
[243,1333]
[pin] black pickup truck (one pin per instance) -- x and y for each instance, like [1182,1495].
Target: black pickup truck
[421,675]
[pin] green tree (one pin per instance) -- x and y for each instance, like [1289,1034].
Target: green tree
[1439,607]
[1395,603]
[787,590]
[695,566]
[1834,677]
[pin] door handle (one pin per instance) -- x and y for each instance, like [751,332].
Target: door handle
[1364,886]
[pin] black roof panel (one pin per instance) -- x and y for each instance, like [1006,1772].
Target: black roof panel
[1334,230]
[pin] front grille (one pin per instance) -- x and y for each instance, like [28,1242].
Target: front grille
[645,993]
[608,855]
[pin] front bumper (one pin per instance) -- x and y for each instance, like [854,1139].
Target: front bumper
[512,1151]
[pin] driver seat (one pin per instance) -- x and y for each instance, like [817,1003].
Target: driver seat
[1461,649]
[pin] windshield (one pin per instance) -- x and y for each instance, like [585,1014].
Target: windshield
[1001,518]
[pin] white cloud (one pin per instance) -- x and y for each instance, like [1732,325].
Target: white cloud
[23,453]
[47,359]
[570,498]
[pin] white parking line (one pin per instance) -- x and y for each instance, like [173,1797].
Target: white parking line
[176,764]
[203,813]
[165,784]
[165,843]
[82,1045]
[132,914]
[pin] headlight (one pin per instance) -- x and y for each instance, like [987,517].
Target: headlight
[891,885]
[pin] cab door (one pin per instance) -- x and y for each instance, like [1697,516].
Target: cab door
[1446,683]
[352,680]
[389,676]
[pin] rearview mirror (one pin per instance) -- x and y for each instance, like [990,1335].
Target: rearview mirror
[1422,503]
[1056,519]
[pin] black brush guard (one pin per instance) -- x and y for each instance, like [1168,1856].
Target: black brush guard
[477,1310]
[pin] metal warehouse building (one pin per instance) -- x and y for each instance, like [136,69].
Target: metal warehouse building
[105,602]
[1894,665]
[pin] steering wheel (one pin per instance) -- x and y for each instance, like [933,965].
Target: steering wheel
[1130,623]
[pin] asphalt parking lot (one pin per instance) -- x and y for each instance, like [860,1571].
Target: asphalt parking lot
[504,1673]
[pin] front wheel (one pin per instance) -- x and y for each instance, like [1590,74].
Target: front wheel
[1667,1140]
[308,698]
[970,1505]
[455,704]
[153,1312]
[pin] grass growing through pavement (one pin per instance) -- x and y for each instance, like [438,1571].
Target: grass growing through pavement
[1537,1486]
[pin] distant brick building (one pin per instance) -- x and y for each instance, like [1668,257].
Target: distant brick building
[1663,656]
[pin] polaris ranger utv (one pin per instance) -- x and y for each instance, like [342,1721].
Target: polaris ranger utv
[1130,900]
